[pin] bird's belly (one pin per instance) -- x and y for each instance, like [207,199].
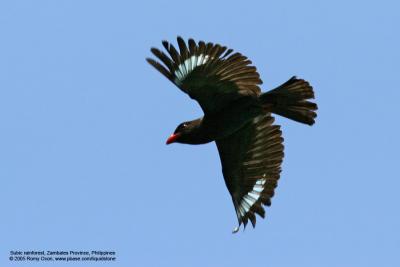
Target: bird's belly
[229,120]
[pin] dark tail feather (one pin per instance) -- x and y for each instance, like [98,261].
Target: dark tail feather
[290,100]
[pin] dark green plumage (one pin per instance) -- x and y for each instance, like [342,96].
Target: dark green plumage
[237,116]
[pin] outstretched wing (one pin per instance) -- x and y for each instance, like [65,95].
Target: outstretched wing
[208,73]
[251,163]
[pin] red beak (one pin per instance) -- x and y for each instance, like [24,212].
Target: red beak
[172,138]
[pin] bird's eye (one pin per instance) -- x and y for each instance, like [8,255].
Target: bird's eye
[184,125]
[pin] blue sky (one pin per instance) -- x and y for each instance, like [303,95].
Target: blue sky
[84,119]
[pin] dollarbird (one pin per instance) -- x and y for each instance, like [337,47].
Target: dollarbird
[237,117]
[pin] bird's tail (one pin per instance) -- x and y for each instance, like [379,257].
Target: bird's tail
[290,100]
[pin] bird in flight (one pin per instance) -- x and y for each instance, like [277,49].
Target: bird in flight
[237,116]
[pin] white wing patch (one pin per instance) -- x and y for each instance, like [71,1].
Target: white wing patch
[251,197]
[188,66]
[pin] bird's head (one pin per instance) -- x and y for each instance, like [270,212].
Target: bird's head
[185,132]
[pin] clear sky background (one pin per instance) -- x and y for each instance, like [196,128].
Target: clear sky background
[84,119]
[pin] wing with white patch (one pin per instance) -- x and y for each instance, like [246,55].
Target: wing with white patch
[208,73]
[251,163]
